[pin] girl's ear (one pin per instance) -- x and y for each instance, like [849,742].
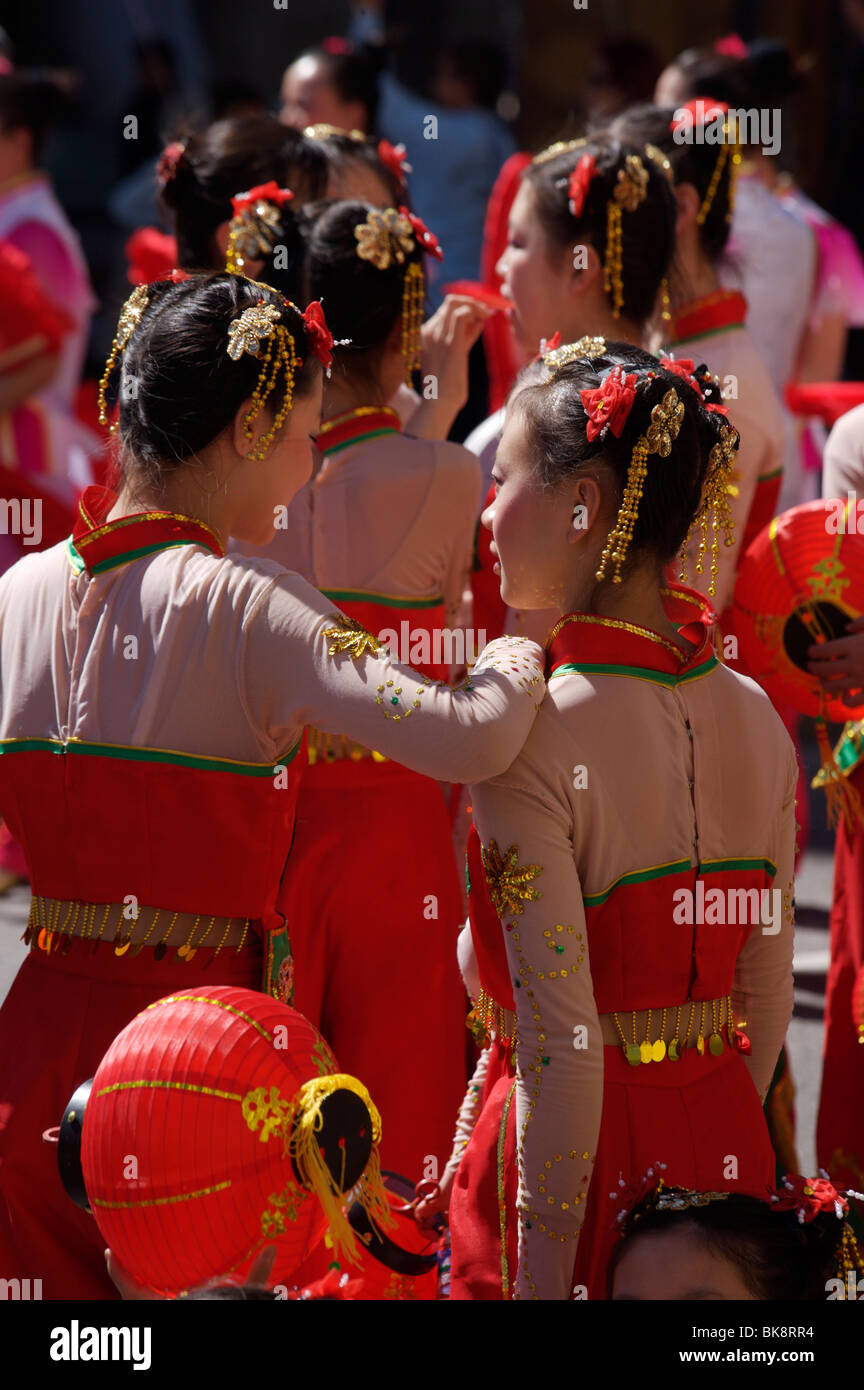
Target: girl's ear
[688,203]
[587,500]
[586,268]
[242,442]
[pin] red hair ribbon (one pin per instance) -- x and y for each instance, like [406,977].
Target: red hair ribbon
[732,46]
[580,182]
[807,1197]
[337,46]
[170,157]
[262,193]
[319,335]
[426,240]
[699,111]
[393,157]
[683,367]
[610,404]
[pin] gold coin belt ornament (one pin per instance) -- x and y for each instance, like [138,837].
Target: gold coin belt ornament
[658,1050]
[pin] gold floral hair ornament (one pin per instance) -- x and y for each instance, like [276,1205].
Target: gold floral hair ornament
[571,352]
[559,147]
[261,324]
[322,131]
[386,236]
[631,189]
[666,418]
[717,492]
[130,317]
[256,224]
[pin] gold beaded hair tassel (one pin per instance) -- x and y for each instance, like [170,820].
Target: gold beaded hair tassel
[619,538]
[130,317]
[280,357]
[613,283]
[412,319]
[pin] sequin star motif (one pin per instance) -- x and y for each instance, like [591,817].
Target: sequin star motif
[349,636]
[254,324]
[508,880]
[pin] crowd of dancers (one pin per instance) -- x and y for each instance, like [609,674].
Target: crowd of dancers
[299,696]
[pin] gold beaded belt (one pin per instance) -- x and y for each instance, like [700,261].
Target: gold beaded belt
[54,922]
[331,748]
[654,1048]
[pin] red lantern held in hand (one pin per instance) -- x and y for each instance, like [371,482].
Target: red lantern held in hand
[218,1122]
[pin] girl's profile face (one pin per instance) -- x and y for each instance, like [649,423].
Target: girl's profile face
[531,526]
[677,1266]
[537,277]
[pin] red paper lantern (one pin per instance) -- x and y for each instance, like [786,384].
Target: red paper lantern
[800,582]
[218,1122]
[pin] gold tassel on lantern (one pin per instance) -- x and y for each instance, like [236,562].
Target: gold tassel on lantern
[316,1176]
[840,793]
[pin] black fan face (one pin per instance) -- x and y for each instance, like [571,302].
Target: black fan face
[379,1245]
[345,1138]
[803,625]
[69,1146]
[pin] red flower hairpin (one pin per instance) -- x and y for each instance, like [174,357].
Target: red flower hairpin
[732,46]
[697,112]
[549,344]
[393,157]
[610,404]
[262,193]
[580,182]
[683,367]
[178,275]
[170,157]
[425,239]
[807,1197]
[319,335]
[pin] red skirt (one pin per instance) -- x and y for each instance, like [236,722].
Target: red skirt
[840,1126]
[697,1115]
[58,1020]
[371,900]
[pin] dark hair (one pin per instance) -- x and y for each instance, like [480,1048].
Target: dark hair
[29,101]
[647,234]
[343,149]
[720,76]
[692,162]
[353,75]
[778,1258]
[361,302]
[556,421]
[225,159]
[179,388]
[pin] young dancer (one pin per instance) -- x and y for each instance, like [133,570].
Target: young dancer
[613,994]
[384,528]
[155,695]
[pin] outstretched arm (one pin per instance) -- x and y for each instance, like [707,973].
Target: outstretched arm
[305,662]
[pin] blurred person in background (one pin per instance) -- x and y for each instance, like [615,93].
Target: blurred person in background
[770,248]
[330,85]
[623,72]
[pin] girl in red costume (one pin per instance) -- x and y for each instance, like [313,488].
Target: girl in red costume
[570,281]
[155,693]
[653,799]
[384,528]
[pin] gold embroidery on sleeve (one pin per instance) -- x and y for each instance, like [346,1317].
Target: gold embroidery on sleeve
[349,636]
[508,880]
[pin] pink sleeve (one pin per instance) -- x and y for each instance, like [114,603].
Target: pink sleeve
[49,258]
[305,662]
